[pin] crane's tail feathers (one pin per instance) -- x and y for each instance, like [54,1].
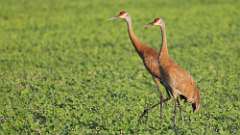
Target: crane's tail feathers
[195,107]
[196,104]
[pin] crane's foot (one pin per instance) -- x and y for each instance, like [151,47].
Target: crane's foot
[144,116]
[146,110]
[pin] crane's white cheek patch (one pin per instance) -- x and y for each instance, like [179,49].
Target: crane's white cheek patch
[124,15]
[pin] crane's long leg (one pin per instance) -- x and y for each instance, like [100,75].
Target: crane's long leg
[180,108]
[162,100]
[174,113]
[157,82]
[153,106]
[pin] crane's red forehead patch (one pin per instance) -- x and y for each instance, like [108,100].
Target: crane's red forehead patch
[156,19]
[122,12]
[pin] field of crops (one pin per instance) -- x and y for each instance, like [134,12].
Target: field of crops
[66,69]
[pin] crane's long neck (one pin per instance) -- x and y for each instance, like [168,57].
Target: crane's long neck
[134,39]
[164,50]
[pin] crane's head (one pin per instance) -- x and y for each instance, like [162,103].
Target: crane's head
[155,22]
[122,15]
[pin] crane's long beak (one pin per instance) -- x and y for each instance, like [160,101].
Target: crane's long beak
[113,18]
[148,25]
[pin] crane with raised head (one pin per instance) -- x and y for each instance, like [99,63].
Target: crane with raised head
[177,80]
[149,57]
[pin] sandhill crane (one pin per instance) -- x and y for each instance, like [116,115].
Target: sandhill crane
[149,57]
[177,80]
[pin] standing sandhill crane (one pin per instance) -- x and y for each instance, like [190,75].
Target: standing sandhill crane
[149,57]
[177,80]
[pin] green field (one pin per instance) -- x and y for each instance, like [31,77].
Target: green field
[66,69]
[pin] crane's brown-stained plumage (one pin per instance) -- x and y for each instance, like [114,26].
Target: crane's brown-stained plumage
[178,81]
[147,54]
